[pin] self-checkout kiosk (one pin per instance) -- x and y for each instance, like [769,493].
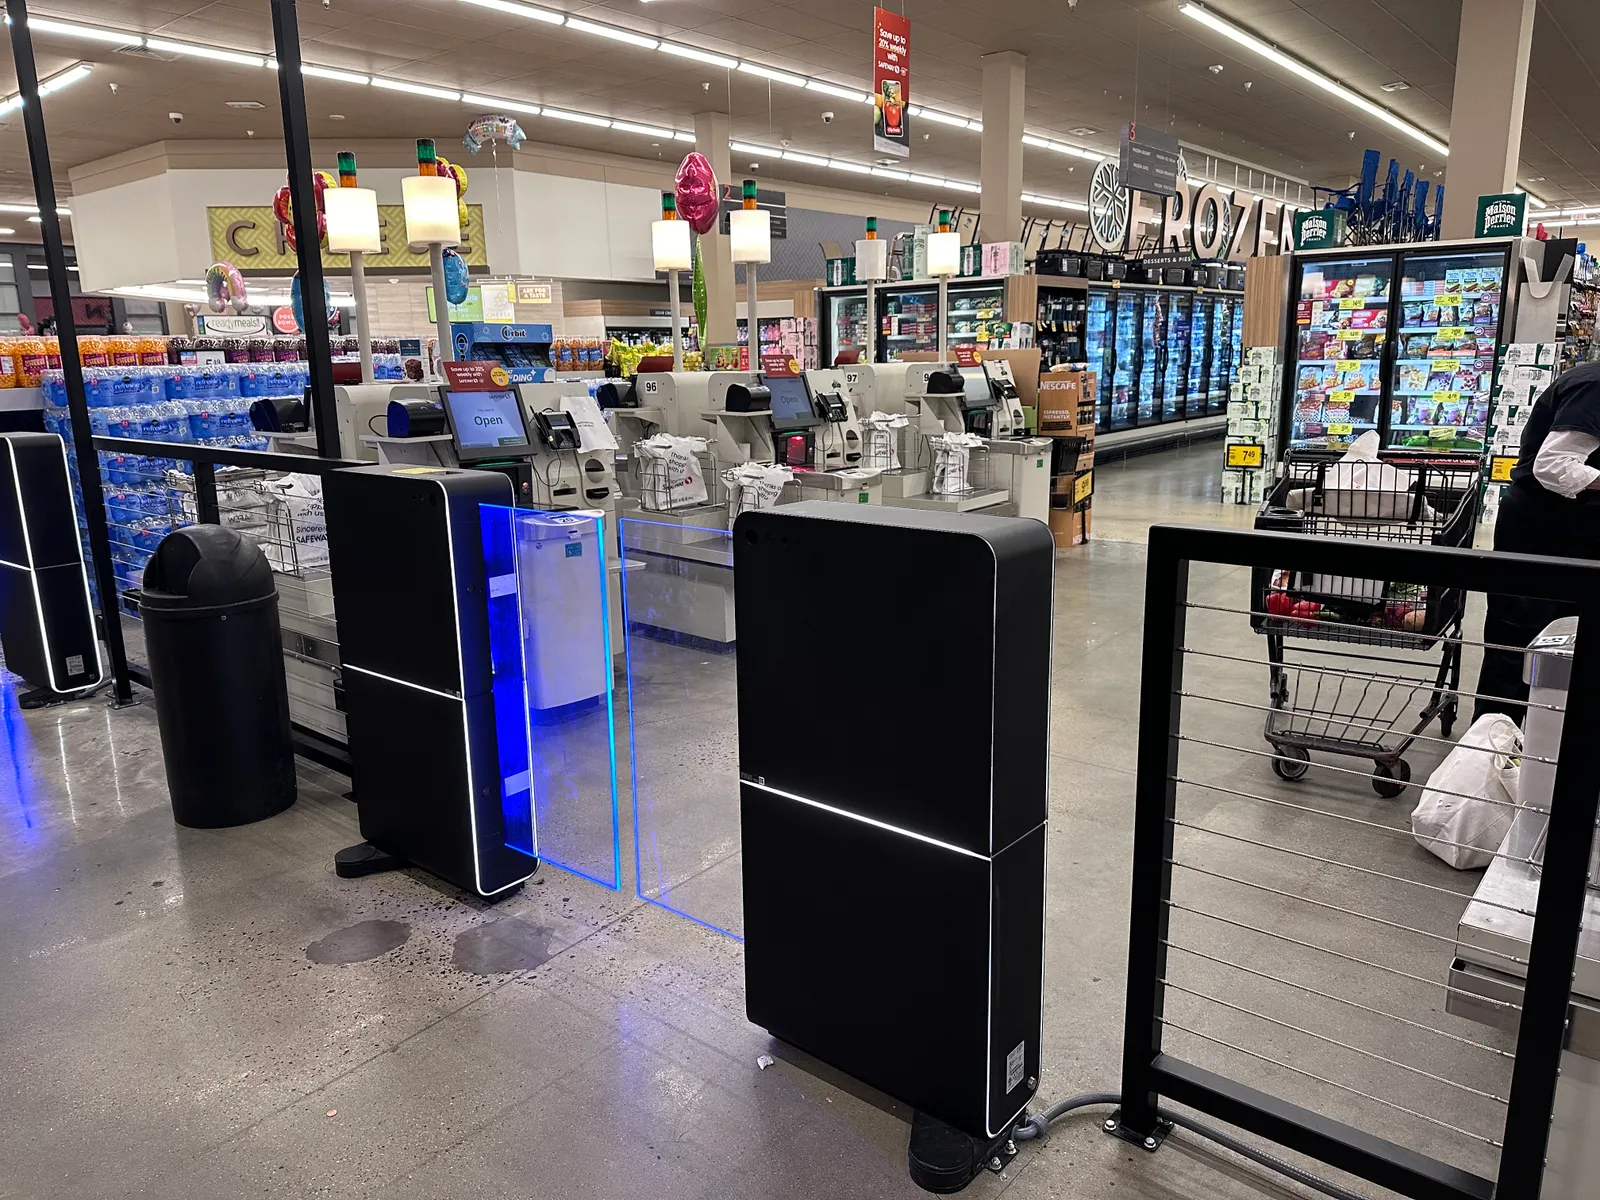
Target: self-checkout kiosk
[992,408]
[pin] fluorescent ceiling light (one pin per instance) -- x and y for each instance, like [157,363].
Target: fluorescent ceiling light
[233,56]
[6,229]
[415,89]
[833,89]
[810,160]
[647,130]
[579,118]
[925,180]
[700,56]
[962,186]
[798,81]
[526,110]
[521,10]
[45,267]
[31,208]
[612,32]
[330,73]
[54,83]
[1326,82]
[885,173]
[111,36]
[839,164]
[747,148]
[678,135]
[939,118]
[37,220]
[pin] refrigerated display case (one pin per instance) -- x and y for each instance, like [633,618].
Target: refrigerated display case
[1060,329]
[973,313]
[1402,340]
[1153,356]
[1196,401]
[908,319]
[1175,370]
[1127,331]
[845,322]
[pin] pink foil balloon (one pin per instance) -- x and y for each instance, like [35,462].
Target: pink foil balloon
[696,193]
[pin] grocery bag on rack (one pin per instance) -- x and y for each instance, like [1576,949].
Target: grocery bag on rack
[883,432]
[298,528]
[1466,809]
[951,452]
[754,485]
[670,475]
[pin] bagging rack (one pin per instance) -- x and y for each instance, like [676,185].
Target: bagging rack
[1291,948]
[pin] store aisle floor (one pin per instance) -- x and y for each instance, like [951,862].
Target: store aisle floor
[206,1014]
[1180,486]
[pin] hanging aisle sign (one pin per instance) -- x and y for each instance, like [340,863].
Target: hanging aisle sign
[891,83]
[1149,159]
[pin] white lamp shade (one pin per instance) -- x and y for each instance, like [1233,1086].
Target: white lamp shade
[944,253]
[872,260]
[669,240]
[750,232]
[430,210]
[352,220]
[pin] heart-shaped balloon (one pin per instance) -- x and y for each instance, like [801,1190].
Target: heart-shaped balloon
[696,192]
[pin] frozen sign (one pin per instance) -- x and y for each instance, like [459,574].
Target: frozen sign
[1204,221]
[891,83]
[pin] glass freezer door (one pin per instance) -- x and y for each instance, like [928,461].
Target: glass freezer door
[975,316]
[1125,375]
[909,317]
[1199,364]
[1221,371]
[1444,355]
[1175,378]
[846,322]
[1152,356]
[1341,319]
[1100,351]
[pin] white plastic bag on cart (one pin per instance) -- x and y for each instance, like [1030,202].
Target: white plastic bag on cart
[1361,486]
[880,448]
[670,474]
[297,527]
[950,454]
[754,485]
[1467,806]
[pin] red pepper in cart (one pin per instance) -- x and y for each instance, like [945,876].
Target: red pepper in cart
[1279,604]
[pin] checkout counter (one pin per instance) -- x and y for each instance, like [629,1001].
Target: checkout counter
[1495,933]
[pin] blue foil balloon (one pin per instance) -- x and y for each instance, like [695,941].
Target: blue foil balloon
[455,277]
[298,304]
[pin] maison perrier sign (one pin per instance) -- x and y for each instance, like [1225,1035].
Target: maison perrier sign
[1502,215]
[1319,229]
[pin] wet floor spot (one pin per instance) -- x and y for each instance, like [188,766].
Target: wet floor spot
[509,944]
[360,942]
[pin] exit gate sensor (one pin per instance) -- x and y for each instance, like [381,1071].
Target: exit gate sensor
[894,891]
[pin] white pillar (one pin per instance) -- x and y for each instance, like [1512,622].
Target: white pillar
[711,132]
[1486,114]
[1000,172]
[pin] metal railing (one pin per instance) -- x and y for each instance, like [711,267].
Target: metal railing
[1289,939]
[154,487]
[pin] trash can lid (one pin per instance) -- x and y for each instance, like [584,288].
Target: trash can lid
[199,566]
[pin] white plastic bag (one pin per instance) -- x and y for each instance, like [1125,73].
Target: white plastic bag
[298,528]
[950,454]
[754,485]
[670,476]
[1467,806]
[880,448]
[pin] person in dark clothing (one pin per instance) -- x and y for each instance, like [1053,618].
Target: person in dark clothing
[1552,507]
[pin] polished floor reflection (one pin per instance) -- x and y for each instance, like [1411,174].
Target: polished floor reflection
[212,1013]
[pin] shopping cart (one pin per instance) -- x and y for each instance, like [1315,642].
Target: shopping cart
[1386,655]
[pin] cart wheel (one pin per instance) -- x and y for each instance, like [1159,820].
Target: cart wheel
[1292,763]
[1389,781]
[1447,721]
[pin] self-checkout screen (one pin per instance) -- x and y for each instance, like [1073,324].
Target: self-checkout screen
[486,424]
[791,403]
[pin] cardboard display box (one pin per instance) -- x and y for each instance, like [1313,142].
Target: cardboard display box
[1067,403]
[1070,526]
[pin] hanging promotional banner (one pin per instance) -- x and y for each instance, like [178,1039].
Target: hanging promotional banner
[891,83]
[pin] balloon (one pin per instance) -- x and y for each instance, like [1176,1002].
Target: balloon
[283,208]
[489,128]
[697,291]
[298,304]
[455,276]
[452,171]
[696,192]
[225,286]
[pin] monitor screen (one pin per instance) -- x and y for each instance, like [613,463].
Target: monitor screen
[791,403]
[487,424]
[977,393]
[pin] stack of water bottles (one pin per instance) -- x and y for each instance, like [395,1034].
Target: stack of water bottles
[148,496]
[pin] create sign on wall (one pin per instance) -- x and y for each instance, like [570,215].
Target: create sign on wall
[250,237]
[891,83]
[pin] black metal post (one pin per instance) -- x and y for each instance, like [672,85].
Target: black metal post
[1574,800]
[55,258]
[297,145]
[1155,797]
[205,494]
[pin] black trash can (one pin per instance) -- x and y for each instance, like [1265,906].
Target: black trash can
[210,611]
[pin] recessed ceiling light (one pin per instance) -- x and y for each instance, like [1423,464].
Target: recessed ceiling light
[1399,85]
[335,116]
[755,166]
[1083,131]
[245,104]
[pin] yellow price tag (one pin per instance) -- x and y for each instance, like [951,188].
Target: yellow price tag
[1083,487]
[1453,332]
[1346,303]
[1341,429]
[1500,467]
[1446,397]
[1244,456]
[1349,335]
[1450,300]
[1446,364]
[1442,433]
[1348,364]
[1341,396]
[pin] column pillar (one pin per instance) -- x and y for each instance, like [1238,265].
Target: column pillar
[1000,172]
[711,133]
[1486,114]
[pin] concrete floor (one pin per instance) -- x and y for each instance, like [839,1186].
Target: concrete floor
[209,1014]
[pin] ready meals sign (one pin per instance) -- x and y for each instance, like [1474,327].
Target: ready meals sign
[1502,215]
